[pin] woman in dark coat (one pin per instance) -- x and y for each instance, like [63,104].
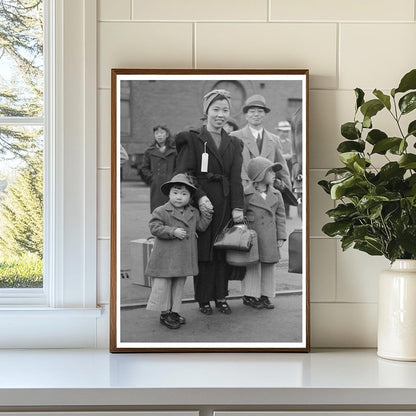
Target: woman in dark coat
[219,188]
[158,165]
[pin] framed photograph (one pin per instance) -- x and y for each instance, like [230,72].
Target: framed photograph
[209,211]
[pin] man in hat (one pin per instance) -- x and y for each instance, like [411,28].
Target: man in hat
[260,142]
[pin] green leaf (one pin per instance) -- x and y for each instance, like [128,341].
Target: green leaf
[349,146]
[367,122]
[374,136]
[333,229]
[383,145]
[349,131]
[369,248]
[399,148]
[342,211]
[407,240]
[375,212]
[371,108]
[348,158]
[361,231]
[337,171]
[411,130]
[408,161]
[325,186]
[407,103]
[408,82]
[346,242]
[391,170]
[359,95]
[385,99]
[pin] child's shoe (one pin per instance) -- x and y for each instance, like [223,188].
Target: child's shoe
[179,318]
[266,302]
[253,302]
[169,321]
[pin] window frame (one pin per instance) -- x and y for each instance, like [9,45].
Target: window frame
[67,304]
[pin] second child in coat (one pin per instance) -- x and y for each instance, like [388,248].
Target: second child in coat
[175,253]
[265,213]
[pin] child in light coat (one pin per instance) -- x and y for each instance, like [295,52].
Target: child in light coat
[265,213]
[174,255]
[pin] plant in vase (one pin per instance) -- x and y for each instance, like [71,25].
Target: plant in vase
[376,206]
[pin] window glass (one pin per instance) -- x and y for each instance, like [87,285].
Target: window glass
[21,143]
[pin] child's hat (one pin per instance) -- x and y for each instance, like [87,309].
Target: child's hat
[180,179]
[257,167]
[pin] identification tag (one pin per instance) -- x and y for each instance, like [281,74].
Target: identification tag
[204,160]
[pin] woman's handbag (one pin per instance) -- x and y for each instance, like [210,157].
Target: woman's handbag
[244,258]
[238,237]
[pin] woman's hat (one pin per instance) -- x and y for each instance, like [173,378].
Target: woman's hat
[256,100]
[210,97]
[180,179]
[257,167]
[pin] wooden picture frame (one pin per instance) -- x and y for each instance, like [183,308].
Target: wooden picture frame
[143,99]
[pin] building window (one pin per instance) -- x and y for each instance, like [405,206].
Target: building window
[22,143]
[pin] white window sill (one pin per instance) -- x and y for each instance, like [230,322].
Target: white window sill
[40,327]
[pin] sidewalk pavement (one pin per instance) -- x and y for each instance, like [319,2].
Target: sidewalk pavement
[244,324]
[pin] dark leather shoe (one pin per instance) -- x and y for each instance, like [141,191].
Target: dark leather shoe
[205,308]
[179,318]
[169,321]
[253,302]
[223,307]
[266,302]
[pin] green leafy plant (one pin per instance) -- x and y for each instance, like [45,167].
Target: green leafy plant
[376,209]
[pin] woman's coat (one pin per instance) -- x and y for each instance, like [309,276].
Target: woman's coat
[170,256]
[221,184]
[266,217]
[157,169]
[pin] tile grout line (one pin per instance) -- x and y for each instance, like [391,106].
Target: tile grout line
[269,11]
[194,63]
[338,63]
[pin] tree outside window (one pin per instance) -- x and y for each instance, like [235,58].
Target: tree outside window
[21,143]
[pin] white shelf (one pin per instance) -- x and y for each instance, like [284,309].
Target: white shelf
[322,378]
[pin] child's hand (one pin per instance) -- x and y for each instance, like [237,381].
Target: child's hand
[180,233]
[280,243]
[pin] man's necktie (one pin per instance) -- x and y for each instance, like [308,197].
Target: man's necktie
[258,141]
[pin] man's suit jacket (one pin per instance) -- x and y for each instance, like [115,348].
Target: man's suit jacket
[270,150]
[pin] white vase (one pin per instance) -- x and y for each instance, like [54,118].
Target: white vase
[397,312]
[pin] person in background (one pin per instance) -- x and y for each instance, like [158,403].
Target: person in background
[297,157]
[214,158]
[283,135]
[159,163]
[230,126]
[265,213]
[260,142]
[174,256]
[124,157]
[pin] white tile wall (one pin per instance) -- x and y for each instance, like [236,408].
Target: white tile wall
[200,10]
[345,44]
[271,45]
[369,10]
[104,128]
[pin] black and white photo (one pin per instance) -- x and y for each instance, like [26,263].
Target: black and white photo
[209,210]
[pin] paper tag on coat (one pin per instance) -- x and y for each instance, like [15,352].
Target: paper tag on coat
[204,159]
[204,162]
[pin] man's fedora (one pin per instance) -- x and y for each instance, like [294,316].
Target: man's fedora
[255,100]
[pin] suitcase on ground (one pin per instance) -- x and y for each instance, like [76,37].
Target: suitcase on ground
[295,252]
[140,253]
